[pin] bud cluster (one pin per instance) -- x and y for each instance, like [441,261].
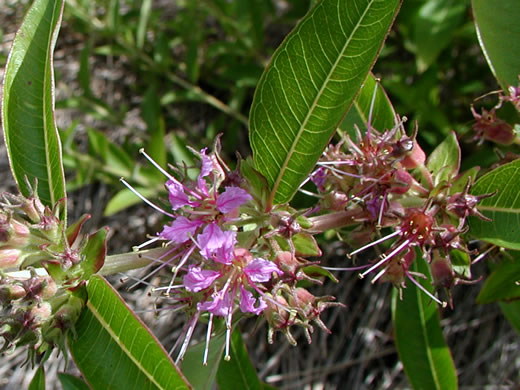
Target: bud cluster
[229,257]
[384,180]
[43,267]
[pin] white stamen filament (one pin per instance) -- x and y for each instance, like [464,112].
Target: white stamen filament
[145,200]
[346,268]
[483,254]
[146,243]
[371,110]
[227,357]
[385,258]
[156,165]
[176,269]
[397,232]
[189,333]
[423,289]
[208,338]
[381,273]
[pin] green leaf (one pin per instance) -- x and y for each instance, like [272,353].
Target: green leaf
[512,313]
[109,332]
[444,161]
[38,380]
[421,346]
[202,377]
[310,83]
[502,285]
[31,136]
[383,114]
[238,372]
[503,208]
[70,382]
[498,33]
[434,27]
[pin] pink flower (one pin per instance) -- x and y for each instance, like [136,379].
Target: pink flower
[198,279]
[260,270]
[177,196]
[180,230]
[221,305]
[247,302]
[205,170]
[232,198]
[216,244]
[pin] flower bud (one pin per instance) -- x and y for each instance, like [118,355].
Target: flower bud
[415,158]
[10,257]
[442,272]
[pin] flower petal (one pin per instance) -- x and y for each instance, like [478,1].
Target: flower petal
[180,230]
[247,302]
[198,279]
[260,270]
[216,244]
[232,198]
[176,195]
[221,304]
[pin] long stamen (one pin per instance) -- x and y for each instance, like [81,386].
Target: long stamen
[227,357]
[346,268]
[146,243]
[385,258]
[156,165]
[145,200]
[483,254]
[381,273]
[208,338]
[178,267]
[189,333]
[423,289]
[397,232]
[371,110]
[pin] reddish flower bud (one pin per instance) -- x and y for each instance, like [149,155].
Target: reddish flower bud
[415,158]
[442,272]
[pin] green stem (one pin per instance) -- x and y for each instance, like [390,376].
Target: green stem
[131,260]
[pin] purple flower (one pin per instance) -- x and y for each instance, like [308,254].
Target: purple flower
[221,304]
[180,230]
[232,198]
[205,170]
[260,270]
[177,196]
[217,244]
[247,302]
[198,279]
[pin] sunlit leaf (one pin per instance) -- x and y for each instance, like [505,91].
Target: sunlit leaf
[502,284]
[114,349]
[38,380]
[425,356]
[309,85]
[498,32]
[503,208]
[31,136]
[238,372]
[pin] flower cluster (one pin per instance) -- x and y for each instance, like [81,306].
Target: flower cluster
[229,256]
[384,180]
[43,269]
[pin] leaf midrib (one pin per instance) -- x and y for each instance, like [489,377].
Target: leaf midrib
[301,129]
[429,356]
[118,341]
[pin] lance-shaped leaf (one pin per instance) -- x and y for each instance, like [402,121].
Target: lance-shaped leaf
[114,349]
[503,208]
[70,382]
[38,380]
[238,372]
[31,136]
[309,85]
[502,284]
[498,32]
[425,356]
[444,162]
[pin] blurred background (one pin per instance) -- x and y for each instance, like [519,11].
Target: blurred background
[164,74]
